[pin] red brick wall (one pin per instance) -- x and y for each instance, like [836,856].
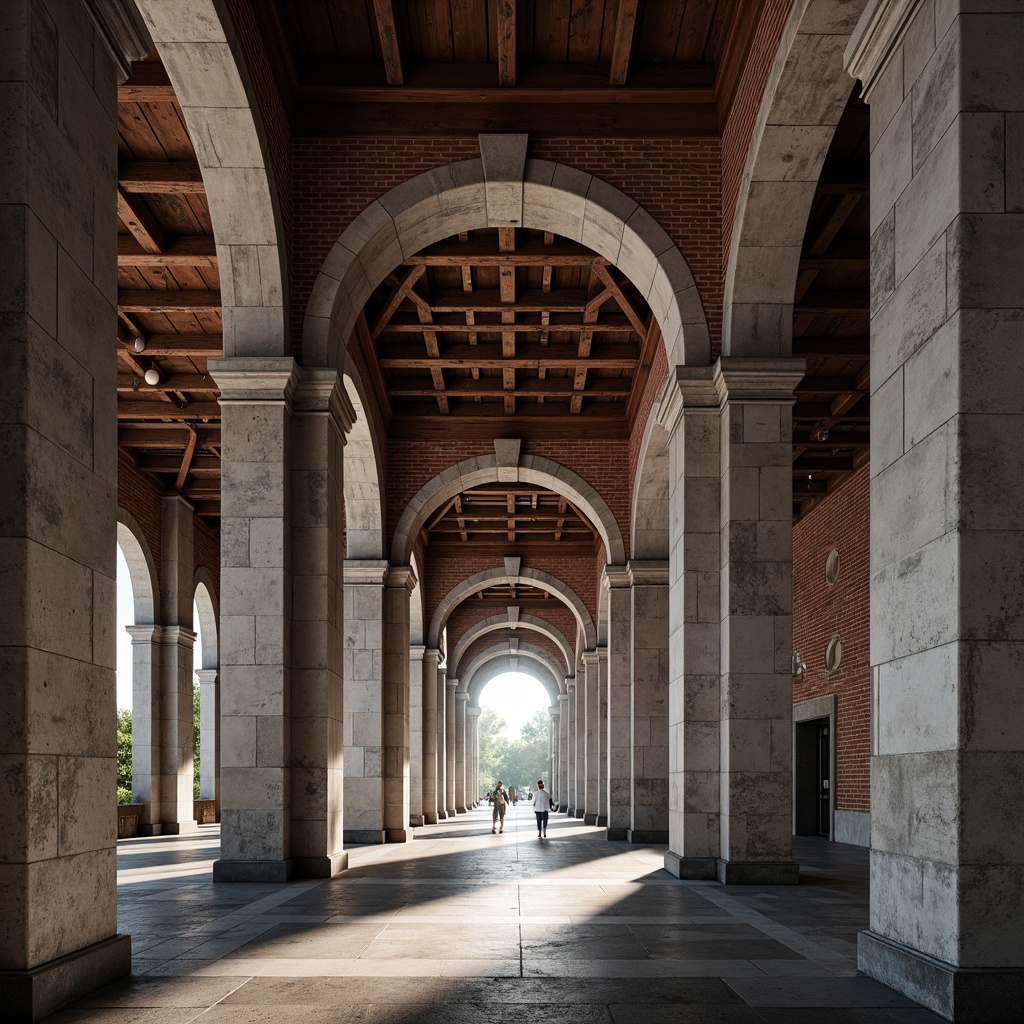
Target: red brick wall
[531,639]
[469,613]
[821,611]
[139,495]
[206,552]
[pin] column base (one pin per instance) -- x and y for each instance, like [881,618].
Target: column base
[366,836]
[616,833]
[179,828]
[442,815]
[750,872]
[460,810]
[451,812]
[417,821]
[970,995]
[252,870]
[698,869]
[579,814]
[570,812]
[397,835]
[589,819]
[430,818]
[636,835]
[602,821]
[30,995]
[319,867]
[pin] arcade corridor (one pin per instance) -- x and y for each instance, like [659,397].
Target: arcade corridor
[419,932]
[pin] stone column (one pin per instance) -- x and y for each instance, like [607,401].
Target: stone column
[146,727]
[618,738]
[58,504]
[176,643]
[442,744]
[562,784]
[602,739]
[209,736]
[400,583]
[690,414]
[649,676]
[364,696]
[461,700]
[321,417]
[945,90]
[429,726]
[473,742]
[256,590]
[552,775]
[449,746]
[579,701]
[592,661]
[417,816]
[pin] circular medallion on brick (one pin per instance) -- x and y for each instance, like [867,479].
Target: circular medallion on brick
[833,654]
[832,567]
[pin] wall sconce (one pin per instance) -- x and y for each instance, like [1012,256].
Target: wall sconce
[798,664]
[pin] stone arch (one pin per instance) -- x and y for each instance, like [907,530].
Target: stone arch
[504,188]
[483,469]
[531,577]
[417,606]
[364,512]
[648,521]
[803,102]
[529,623]
[546,670]
[203,58]
[205,597]
[141,567]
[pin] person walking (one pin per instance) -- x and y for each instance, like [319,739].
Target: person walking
[541,806]
[500,798]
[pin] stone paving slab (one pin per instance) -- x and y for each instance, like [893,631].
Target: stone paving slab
[460,925]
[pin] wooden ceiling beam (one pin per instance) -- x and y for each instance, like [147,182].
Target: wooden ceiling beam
[827,385]
[153,178]
[833,223]
[178,251]
[152,410]
[620,297]
[184,345]
[506,33]
[492,387]
[186,461]
[648,352]
[144,301]
[208,466]
[135,216]
[622,42]
[192,382]
[815,347]
[611,323]
[149,83]
[396,298]
[489,300]
[166,437]
[489,356]
[835,440]
[391,51]
[528,252]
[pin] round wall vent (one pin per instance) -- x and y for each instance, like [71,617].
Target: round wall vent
[833,654]
[832,567]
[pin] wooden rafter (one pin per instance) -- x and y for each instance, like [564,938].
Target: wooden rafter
[506,32]
[391,51]
[187,251]
[624,304]
[400,293]
[186,460]
[136,217]
[143,301]
[622,41]
[161,178]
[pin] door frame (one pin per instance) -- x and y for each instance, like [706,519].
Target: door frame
[806,711]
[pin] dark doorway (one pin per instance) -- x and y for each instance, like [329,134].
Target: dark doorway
[813,765]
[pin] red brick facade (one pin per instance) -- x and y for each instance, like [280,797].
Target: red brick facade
[821,611]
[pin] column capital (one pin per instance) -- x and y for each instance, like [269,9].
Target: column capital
[595,656]
[143,633]
[400,576]
[563,698]
[615,576]
[247,379]
[690,387]
[758,380]
[319,389]
[648,572]
[570,681]
[179,635]
[207,675]
[462,695]
[365,571]
[451,683]
[473,711]
[880,30]
[417,652]
[432,654]
[124,33]
[555,710]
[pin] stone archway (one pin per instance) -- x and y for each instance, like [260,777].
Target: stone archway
[649,519]
[493,623]
[500,653]
[364,517]
[208,675]
[483,671]
[203,59]
[802,104]
[504,188]
[531,577]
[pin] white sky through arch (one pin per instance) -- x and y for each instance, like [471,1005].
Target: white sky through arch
[516,697]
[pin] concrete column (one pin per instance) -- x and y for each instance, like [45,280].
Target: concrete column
[473,746]
[449,745]
[461,699]
[256,606]
[592,664]
[363,688]
[429,726]
[399,585]
[618,739]
[209,736]
[690,414]
[176,642]
[416,805]
[562,784]
[58,504]
[321,417]
[442,744]
[146,727]
[947,521]
[649,676]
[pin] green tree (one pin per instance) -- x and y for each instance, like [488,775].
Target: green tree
[195,741]
[493,745]
[518,762]
[124,756]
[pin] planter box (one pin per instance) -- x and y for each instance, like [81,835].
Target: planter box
[128,820]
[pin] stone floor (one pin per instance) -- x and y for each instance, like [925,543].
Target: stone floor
[462,926]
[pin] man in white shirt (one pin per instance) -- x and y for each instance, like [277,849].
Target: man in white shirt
[541,807]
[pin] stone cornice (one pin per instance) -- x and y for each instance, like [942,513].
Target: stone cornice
[595,657]
[122,30]
[244,379]
[462,695]
[399,576]
[207,675]
[758,380]
[876,36]
[650,573]
[562,697]
[690,387]
[451,683]
[473,711]
[318,389]
[365,571]
[615,576]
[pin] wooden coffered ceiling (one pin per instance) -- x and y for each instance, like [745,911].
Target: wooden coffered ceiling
[831,318]
[566,67]
[510,518]
[507,322]
[502,594]
[168,298]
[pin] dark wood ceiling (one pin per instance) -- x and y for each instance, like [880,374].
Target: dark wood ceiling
[506,322]
[168,298]
[831,319]
[632,67]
